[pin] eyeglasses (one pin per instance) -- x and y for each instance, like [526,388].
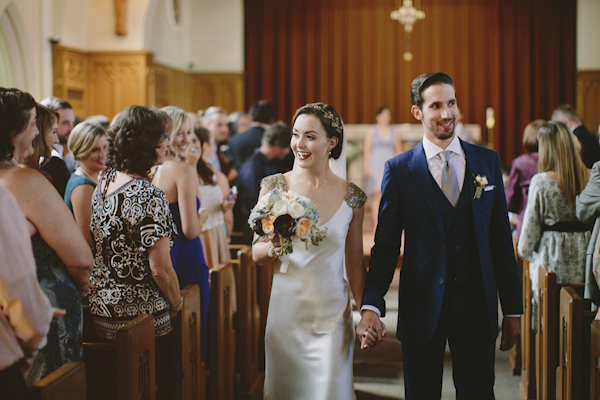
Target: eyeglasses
[165,137]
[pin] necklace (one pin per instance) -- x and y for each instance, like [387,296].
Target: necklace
[90,177]
[12,163]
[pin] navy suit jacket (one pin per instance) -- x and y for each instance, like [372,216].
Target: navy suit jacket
[243,144]
[409,203]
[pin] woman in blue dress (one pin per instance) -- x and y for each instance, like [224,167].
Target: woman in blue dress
[178,179]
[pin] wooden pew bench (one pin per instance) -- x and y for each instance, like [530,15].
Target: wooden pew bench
[594,361]
[574,346]
[187,326]
[66,383]
[528,380]
[515,357]
[122,370]
[221,334]
[548,332]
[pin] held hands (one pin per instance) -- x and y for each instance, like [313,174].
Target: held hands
[371,331]
[511,331]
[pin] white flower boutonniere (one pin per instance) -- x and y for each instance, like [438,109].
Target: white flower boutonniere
[480,183]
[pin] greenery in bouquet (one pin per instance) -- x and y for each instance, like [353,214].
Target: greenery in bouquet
[290,216]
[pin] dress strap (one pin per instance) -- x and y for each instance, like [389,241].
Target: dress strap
[276,181]
[355,197]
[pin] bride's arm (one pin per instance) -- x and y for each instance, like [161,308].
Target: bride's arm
[260,250]
[355,260]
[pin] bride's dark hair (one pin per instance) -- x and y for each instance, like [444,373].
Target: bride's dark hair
[331,121]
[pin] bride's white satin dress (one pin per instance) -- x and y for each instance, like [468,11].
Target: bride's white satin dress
[310,333]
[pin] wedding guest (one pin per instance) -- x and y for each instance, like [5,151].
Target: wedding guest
[215,120]
[25,312]
[244,144]
[239,122]
[552,236]
[523,168]
[63,258]
[178,180]
[131,221]
[590,148]
[215,197]
[41,158]
[275,146]
[66,123]
[86,142]
[101,120]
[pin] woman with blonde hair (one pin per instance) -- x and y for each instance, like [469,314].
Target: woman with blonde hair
[86,142]
[552,236]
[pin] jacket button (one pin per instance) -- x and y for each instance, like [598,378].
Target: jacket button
[443,248]
[441,281]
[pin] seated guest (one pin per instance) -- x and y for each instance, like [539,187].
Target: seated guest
[522,170]
[215,192]
[275,146]
[25,312]
[63,258]
[244,144]
[133,231]
[588,211]
[66,123]
[552,236]
[86,143]
[590,148]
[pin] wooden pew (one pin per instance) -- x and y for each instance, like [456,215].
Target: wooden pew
[187,325]
[594,361]
[221,334]
[122,370]
[515,356]
[264,283]
[546,344]
[528,380]
[66,383]
[248,327]
[574,325]
[234,251]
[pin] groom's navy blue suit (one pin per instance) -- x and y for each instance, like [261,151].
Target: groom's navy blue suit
[456,262]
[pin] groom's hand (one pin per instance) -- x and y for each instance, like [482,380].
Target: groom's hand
[511,331]
[370,323]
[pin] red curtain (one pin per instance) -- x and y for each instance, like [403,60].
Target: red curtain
[517,56]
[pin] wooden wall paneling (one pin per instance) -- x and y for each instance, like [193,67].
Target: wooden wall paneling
[588,98]
[217,89]
[150,79]
[102,87]
[70,69]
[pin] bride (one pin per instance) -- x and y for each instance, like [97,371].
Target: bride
[309,336]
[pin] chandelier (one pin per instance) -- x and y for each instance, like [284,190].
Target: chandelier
[407,15]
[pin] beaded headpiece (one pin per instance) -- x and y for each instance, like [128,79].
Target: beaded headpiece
[335,121]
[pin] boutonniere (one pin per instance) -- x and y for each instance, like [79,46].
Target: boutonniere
[480,183]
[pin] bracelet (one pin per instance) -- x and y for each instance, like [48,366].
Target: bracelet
[178,304]
[272,252]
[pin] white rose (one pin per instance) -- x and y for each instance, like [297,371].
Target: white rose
[482,180]
[263,201]
[279,208]
[296,210]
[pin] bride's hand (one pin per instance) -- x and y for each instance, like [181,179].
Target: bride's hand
[368,339]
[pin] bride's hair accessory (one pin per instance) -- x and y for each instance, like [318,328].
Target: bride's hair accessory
[334,120]
[331,121]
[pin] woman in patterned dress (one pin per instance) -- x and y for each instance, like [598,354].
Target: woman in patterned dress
[552,237]
[63,259]
[132,233]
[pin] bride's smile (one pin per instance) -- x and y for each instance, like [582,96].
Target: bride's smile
[310,143]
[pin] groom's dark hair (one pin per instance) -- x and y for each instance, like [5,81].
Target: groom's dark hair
[422,82]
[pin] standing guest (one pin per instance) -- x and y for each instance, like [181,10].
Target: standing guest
[25,312]
[215,120]
[275,146]
[239,122]
[215,197]
[244,144]
[41,158]
[522,170]
[66,123]
[63,258]
[86,142]
[552,236]
[101,120]
[133,232]
[448,198]
[178,180]
[381,144]
[590,148]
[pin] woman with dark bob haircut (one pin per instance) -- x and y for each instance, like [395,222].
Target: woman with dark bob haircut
[63,259]
[132,234]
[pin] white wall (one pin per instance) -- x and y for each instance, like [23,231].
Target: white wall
[588,34]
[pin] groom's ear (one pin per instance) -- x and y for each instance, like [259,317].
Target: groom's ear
[416,112]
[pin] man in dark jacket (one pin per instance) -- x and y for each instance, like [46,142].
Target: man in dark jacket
[590,148]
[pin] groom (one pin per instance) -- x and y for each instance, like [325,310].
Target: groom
[448,197]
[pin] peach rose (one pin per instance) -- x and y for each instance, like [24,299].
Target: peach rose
[267,224]
[303,227]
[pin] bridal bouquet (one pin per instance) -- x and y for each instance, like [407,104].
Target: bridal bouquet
[290,216]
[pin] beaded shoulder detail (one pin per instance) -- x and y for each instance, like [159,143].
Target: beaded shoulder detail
[355,197]
[276,181]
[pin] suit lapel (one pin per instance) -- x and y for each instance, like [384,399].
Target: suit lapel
[473,167]
[420,170]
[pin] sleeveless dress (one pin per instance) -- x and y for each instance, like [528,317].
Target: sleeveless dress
[188,261]
[74,181]
[65,335]
[213,237]
[381,151]
[309,337]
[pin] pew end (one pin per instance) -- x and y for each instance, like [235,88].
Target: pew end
[527,385]
[66,383]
